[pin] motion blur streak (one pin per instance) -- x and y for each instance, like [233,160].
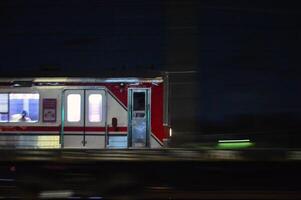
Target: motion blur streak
[55,194]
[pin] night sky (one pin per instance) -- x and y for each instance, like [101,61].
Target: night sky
[74,37]
[243,55]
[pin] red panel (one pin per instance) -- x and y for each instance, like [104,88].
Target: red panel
[120,92]
[95,129]
[157,111]
[166,131]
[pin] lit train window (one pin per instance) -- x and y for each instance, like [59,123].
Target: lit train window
[95,107]
[3,117]
[3,103]
[3,107]
[24,107]
[73,107]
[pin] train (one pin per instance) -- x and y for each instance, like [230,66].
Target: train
[88,113]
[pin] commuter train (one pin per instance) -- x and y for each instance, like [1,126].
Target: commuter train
[94,113]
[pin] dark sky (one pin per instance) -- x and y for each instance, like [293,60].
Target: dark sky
[245,54]
[77,35]
[249,58]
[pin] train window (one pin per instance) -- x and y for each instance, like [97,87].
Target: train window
[3,107]
[3,103]
[139,101]
[24,107]
[73,107]
[3,117]
[95,107]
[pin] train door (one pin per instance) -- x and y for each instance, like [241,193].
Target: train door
[139,118]
[84,119]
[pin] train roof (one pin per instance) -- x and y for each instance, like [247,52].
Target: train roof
[58,80]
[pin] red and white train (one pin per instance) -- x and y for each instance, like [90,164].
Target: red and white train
[84,113]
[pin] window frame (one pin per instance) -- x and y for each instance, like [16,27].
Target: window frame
[8,111]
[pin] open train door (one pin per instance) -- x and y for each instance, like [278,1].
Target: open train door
[84,118]
[138,118]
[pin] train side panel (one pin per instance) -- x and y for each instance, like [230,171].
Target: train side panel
[47,131]
[36,134]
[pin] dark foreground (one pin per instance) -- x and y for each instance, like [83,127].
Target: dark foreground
[144,174]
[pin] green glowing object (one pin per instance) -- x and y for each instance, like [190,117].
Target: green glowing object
[233,141]
[234,144]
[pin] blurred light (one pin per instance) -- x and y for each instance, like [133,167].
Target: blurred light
[234,145]
[233,141]
[20,96]
[59,79]
[170,132]
[48,141]
[12,168]
[7,179]
[125,80]
[55,194]
[22,83]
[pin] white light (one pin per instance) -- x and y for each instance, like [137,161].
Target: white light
[24,96]
[95,105]
[55,194]
[124,80]
[170,132]
[73,107]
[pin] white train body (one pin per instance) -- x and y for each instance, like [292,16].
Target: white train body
[83,113]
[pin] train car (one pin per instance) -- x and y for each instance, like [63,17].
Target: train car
[95,113]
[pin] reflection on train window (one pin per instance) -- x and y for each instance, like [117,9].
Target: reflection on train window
[23,107]
[95,107]
[139,114]
[3,107]
[73,107]
[3,103]
[139,101]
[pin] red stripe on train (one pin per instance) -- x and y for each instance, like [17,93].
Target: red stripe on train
[58,128]
[96,129]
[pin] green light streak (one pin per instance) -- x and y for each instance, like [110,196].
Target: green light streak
[233,141]
[234,145]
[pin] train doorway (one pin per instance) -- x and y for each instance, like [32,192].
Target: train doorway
[84,119]
[138,118]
